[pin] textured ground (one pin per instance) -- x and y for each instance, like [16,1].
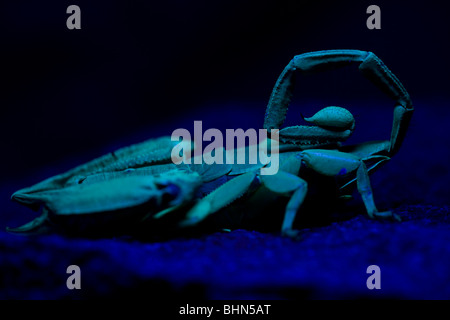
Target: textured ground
[330,261]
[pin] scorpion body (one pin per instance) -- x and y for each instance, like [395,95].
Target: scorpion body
[139,184]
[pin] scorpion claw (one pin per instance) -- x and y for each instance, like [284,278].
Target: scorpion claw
[39,225]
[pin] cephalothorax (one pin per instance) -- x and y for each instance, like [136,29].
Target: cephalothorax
[140,183]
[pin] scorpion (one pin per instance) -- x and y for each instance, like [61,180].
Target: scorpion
[139,184]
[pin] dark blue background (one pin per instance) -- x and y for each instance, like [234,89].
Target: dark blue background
[141,69]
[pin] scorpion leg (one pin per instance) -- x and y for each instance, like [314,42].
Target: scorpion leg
[288,184]
[218,199]
[334,163]
[364,188]
[369,65]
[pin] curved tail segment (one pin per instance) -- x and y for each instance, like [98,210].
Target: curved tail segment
[369,65]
